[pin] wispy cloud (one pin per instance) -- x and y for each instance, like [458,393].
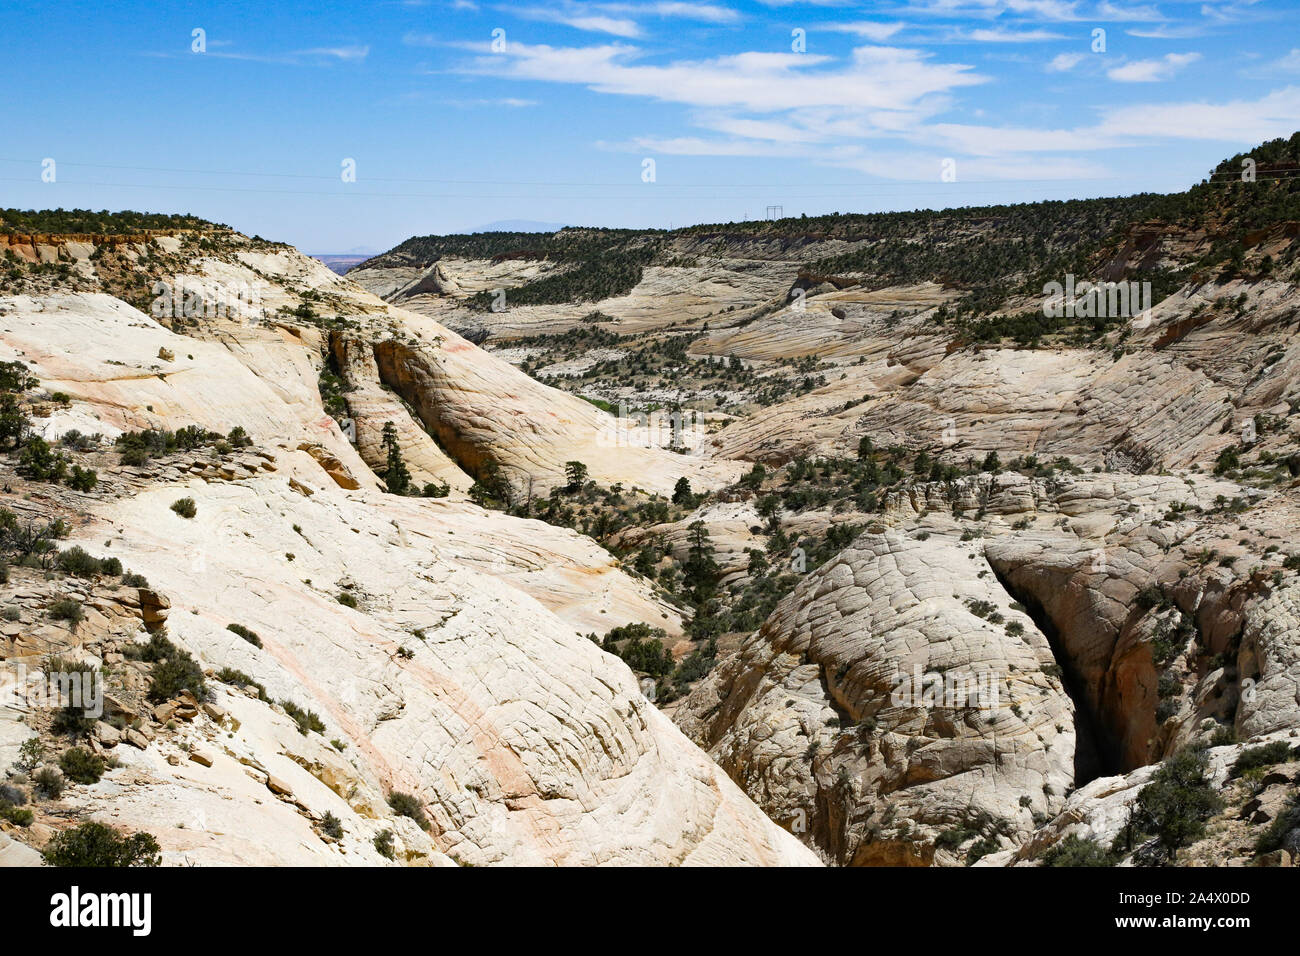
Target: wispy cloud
[314,56]
[1166,32]
[999,35]
[674,9]
[1152,71]
[1117,13]
[1231,11]
[1057,11]
[337,52]
[1064,62]
[868,29]
[511,102]
[1234,121]
[579,19]
[877,78]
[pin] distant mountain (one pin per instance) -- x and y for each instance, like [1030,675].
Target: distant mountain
[342,262]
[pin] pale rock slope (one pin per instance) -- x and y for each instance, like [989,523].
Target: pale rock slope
[1091,600]
[808,716]
[461,676]
[523,740]
[1174,391]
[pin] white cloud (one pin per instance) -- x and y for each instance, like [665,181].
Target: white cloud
[620,19]
[411,38]
[1115,12]
[1289,62]
[314,57]
[880,103]
[703,12]
[338,52]
[868,29]
[1228,12]
[1165,32]
[874,78]
[1009,36]
[1057,11]
[574,17]
[512,102]
[1237,122]
[695,146]
[1152,71]
[1064,62]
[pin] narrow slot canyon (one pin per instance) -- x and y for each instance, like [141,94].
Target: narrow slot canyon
[1097,749]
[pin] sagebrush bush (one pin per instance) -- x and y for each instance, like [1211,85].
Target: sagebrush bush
[67,609]
[228,675]
[185,507]
[1075,851]
[77,562]
[81,766]
[1264,755]
[245,633]
[94,844]
[173,671]
[49,783]
[170,676]
[307,720]
[331,826]
[405,805]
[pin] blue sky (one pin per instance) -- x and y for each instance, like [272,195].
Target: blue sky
[857,111]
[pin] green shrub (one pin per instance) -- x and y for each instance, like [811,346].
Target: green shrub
[39,462]
[228,675]
[1174,806]
[1075,851]
[347,600]
[1263,756]
[19,816]
[158,647]
[384,844]
[1223,735]
[94,844]
[67,609]
[83,685]
[81,766]
[245,633]
[332,826]
[1286,821]
[77,562]
[185,507]
[173,671]
[49,783]
[307,720]
[82,479]
[30,754]
[405,805]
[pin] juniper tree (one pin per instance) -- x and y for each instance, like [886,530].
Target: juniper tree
[396,475]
